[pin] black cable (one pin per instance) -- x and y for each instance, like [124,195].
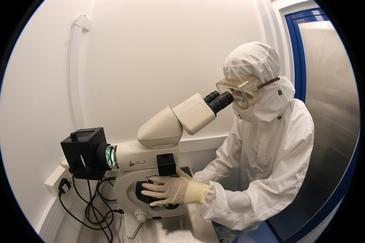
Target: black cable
[101,194]
[90,205]
[99,184]
[77,191]
[64,207]
[108,206]
[106,219]
[87,209]
[110,178]
[103,199]
[92,197]
[98,221]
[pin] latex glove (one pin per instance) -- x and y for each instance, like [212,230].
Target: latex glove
[175,190]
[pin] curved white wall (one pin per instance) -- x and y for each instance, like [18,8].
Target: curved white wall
[137,58]
[34,106]
[141,56]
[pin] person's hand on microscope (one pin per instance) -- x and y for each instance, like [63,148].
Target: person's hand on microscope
[175,190]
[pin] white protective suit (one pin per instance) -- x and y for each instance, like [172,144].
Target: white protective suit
[270,142]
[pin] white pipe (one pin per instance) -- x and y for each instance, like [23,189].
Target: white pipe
[81,25]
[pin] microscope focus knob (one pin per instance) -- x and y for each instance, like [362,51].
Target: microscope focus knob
[140,215]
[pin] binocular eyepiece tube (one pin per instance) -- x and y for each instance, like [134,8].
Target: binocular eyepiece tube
[218,102]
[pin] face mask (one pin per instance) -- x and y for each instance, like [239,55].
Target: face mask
[242,100]
[244,114]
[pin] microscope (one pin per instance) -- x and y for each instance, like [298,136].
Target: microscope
[154,153]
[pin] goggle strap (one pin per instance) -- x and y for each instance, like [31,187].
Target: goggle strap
[268,82]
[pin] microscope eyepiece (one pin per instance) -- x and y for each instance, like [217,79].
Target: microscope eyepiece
[220,102]
[210,97]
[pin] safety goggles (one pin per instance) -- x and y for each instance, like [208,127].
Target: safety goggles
[245,91]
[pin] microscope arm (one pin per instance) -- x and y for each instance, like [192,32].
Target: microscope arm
[159,136]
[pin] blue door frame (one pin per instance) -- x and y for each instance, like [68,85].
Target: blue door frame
[293,20]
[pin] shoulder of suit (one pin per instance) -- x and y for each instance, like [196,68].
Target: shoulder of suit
[300,112]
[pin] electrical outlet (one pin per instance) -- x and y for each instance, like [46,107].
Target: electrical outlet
[54,179]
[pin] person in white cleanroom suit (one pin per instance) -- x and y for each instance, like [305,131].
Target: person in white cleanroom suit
[271,142]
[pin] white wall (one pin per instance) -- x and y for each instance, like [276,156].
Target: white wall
[141,56]
[137,58]
[34,106]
